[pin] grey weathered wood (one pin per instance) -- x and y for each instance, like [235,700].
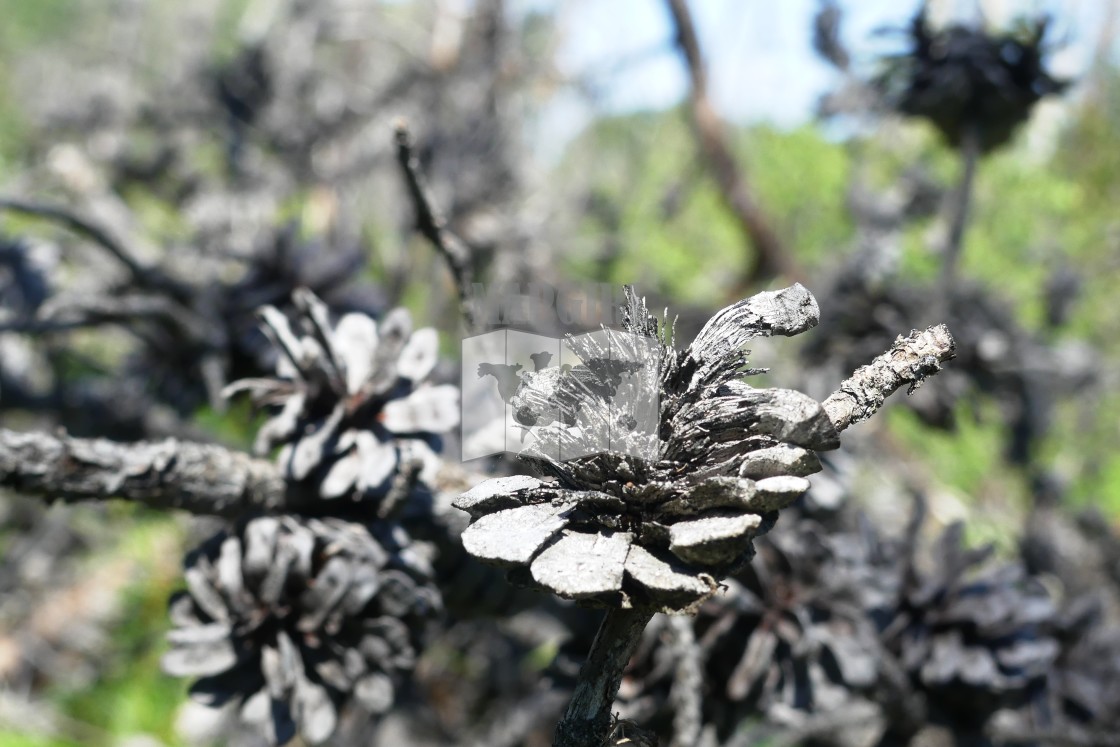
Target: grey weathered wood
[742,411]
[713,540]
[780,459]
[492,495]
[583,565]
[785,312]
[737,493]
[203,479]
[677,588]
[515,535]
[909,361]
[788,415]
[719,492]
[775,493]
[588,718]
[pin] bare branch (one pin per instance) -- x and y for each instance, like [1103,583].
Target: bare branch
[959,208]
[432,225]
[66,314]
[688,683]
[771,258]
[909,361]
[202,479]
[588,718]
[144,276]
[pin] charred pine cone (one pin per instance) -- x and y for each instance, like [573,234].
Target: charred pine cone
[356,419]
[792,637]
[1084,684]
[658,518]
[966,79]
[972,635]
[294,619]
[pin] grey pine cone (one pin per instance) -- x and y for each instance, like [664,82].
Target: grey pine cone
[356,417]
[973,635]
[295,618]
[617,529]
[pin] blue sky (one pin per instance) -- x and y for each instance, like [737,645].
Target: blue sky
[762,67]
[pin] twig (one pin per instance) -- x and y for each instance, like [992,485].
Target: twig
[69,314]
[144,276]
[770,259]
[202,479]
[688,683]
[910,360]
[588,718]
[432,225]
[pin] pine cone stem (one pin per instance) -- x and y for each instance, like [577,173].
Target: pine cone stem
[588,718]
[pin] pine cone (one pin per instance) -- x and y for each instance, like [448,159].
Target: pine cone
[972,635]
[656,531]
[355,416]
[295,618]
[963,79]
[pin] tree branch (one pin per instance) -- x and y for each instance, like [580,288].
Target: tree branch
[687,691]
[67,314]
[770,259]
[588,718]
[202,479]
[959,210]
[432,225]
[909,361]
[146,277]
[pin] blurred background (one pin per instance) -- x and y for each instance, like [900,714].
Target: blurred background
[167,167]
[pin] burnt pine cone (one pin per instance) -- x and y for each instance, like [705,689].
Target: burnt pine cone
[296,618]
[972,634]
[355,414]
[963,78]
[658,532]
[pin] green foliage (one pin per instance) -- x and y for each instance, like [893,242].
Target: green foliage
[133,696]
[237,426]
[802,179]
[970,459]
[17,739]
[648,193]
[26,25]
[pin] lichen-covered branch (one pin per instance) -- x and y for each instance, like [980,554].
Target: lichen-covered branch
[200,478]
[909,361]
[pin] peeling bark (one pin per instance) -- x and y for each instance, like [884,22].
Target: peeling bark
[909,361]
[202,479]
